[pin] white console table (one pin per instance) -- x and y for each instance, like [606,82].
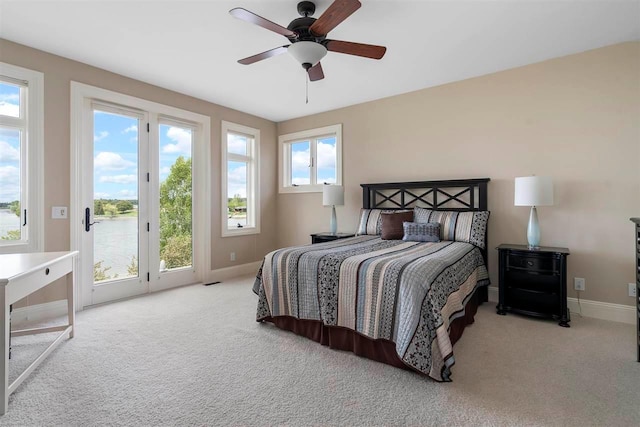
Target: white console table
[21,275]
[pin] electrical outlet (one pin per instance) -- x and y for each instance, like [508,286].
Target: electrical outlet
[59,212]
[578,283]
[232,256]
[632,290]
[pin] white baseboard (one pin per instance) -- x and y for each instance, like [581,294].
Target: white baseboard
[38,312]
[237,270]
[596,309]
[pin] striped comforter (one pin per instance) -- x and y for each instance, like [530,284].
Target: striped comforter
[405,292]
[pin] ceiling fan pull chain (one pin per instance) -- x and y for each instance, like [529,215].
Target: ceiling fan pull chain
[306,80]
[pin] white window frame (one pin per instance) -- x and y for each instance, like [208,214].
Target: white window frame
[284,154]
[31,157]
[253,188]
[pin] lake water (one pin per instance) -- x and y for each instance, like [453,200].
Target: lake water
[116,239]
[116,243]
[8,221]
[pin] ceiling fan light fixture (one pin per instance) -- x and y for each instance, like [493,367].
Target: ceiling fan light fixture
[307,53]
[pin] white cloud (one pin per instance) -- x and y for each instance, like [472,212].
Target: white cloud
[119,179]
[182,139]
[101,195]
[8,109]
[107,160]
[300,161]
[237,144]
[14,98]
[132,128]
[128,194]
[326,155]
[9,183]
[102,135]
[237,182]
[8,153]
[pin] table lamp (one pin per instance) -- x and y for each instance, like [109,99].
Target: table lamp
[333,195]
[534,191]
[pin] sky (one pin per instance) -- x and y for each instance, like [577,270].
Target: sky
[116,154]
[115,142]
[326,158]
[9,145]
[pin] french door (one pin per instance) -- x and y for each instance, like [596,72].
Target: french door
[137,211]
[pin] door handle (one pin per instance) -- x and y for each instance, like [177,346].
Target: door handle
[87,220]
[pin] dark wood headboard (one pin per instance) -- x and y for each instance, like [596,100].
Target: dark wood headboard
[453,195]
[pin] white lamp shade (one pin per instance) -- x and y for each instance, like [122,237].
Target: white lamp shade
[534,191]
[332,195]
[307,52]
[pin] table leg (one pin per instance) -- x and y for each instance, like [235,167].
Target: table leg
[71,309]
[5,333]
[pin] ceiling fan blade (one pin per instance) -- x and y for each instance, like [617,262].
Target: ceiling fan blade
[251,17]
[263,55]
[316,73]
[358,49]
[334,15]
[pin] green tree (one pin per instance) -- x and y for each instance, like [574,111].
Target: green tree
[15,207]
[110,209]
[236,202]
[177,251]
[100,272]
[124,206]
[175,206]
[98,207]
[11,235]
[132,268]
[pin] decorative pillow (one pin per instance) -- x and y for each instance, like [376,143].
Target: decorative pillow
[371,221]
[392,224]
[421,232]
[469,227]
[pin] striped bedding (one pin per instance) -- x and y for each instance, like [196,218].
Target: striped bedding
[404,292]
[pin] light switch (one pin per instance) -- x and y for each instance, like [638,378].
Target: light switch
[59,212]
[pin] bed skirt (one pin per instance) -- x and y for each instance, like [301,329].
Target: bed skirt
[380,350]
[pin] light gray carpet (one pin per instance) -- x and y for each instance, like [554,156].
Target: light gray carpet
[195,356]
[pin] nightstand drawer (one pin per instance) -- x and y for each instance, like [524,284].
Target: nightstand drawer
[531,263]
[533,302]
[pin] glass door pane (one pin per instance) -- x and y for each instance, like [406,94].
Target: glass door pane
[115,197]
[176,216]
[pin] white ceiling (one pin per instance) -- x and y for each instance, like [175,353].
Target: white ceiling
[192,46]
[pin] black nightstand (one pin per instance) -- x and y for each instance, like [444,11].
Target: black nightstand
[327,237]
[533,282]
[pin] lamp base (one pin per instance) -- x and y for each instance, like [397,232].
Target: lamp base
[333,225]
[533,230]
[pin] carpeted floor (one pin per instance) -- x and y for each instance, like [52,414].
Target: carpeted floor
[196,356]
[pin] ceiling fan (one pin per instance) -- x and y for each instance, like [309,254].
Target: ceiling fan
[307,36]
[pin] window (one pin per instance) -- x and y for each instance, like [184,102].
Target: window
[240,199]
[310,159]
[21,180]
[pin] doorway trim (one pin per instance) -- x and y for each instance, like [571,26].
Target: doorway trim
[81,94]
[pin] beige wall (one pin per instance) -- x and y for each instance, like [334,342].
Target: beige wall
[576,119]
[59,72]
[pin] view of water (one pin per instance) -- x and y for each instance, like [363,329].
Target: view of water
[116,239]
[115,243]
[8,221]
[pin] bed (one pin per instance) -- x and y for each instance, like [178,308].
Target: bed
[400,302]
